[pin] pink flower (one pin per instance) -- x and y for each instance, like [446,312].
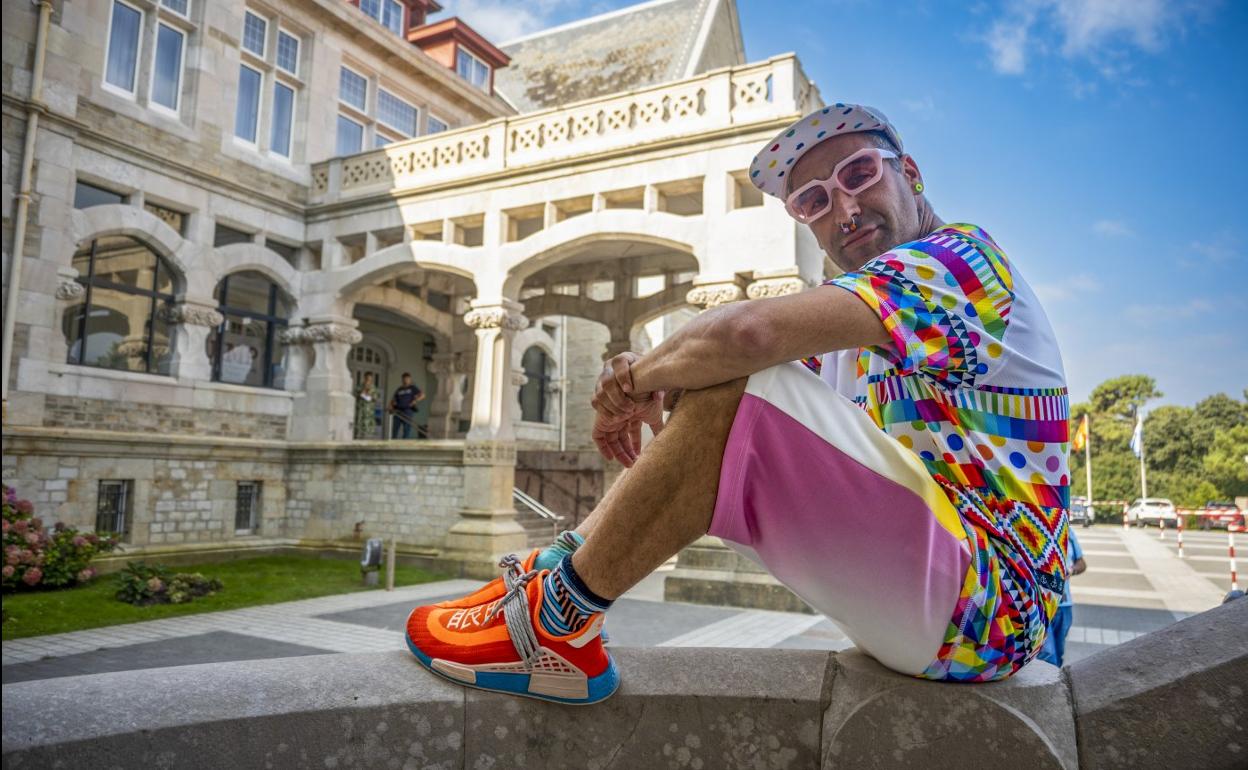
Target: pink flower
[32,576]
[4,524]
[21,525]
[26,556]
[7,570]
[86,574]
[12,555]
[24,507]
[79,541]
[155,585]
[32,538]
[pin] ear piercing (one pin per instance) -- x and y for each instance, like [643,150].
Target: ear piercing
[851,226]
[918,187]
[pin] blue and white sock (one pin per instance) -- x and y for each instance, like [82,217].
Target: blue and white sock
[564,545]
[567,603]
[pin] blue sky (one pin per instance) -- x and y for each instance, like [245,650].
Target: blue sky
[1100,142]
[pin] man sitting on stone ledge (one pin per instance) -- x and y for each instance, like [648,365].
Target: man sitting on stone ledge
[913,488]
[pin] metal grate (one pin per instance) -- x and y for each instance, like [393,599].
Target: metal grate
[111,507]
[247,507]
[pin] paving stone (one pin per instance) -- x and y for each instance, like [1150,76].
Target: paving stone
[204,648]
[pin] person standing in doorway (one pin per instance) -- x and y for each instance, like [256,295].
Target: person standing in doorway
[406,396]
[366,399]
[1054,649]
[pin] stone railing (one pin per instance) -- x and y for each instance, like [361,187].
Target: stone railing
[1171,699]
[754,93]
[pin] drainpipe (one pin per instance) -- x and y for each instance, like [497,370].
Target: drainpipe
[23,196]
[563,384]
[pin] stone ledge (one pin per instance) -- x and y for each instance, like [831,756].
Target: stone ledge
[726,708]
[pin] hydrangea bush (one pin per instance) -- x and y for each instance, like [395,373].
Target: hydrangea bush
[35,557]
[143,585]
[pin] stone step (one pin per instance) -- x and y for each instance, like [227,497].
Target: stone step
[751,590]
[539,529]
[712,557]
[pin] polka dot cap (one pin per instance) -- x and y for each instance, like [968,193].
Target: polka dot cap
[769,170]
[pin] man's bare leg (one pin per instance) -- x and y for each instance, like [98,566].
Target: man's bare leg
[665,501]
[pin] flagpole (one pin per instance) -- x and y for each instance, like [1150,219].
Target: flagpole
[1143,470]
[1087,461]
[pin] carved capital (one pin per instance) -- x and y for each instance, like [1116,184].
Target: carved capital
[775,287]
[444,365]
[193,315]
[489,453]
[70,290]
[710,295]
[518,377]
[321,332]
[496,317]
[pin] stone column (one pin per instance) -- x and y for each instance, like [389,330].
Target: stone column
[68,293]
[487,528]
[616,346]
[195,319]
[326,411]
[450,369]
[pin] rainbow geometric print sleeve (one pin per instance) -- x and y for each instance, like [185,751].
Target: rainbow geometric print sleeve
[944,389]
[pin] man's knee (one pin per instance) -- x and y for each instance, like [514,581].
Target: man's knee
[720,399]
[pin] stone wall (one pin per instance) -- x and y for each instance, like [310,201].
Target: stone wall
[100,414]
[183,489]
[1170,699]
[408,491]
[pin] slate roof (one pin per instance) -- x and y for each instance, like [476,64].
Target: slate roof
[639,46]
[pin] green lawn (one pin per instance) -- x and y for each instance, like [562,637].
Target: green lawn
[248,582]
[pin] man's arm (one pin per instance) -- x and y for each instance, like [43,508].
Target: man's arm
[737,340]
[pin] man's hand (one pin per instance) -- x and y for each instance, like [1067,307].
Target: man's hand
[620,411]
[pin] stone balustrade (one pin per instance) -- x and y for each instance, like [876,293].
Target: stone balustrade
[774,90]
[1174,698]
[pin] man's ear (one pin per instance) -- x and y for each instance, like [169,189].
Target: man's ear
[910,170]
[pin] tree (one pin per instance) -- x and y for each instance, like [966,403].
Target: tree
[1122,396]
[1226,463]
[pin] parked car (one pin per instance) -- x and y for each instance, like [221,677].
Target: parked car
[1222,515]
[1081,512]
[1152,511]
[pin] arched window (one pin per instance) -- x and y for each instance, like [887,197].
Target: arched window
[246,348]
[121,319]
[533,394]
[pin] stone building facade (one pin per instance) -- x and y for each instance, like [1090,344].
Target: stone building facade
[231,211]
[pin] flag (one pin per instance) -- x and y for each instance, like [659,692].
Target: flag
[1137,438]
[1081,435]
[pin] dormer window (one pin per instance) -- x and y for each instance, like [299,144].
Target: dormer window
[472,69]
[388,13]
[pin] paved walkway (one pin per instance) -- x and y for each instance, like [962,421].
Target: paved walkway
[1134,584]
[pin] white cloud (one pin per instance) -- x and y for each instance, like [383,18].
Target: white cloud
[1104,32]
[924,107]
[1008,45]
[503,20]
[1112,228]
[1162,313]
[1069,288]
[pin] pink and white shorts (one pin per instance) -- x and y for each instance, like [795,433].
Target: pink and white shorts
[843,515]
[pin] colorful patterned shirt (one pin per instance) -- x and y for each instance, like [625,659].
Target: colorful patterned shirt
[973,384]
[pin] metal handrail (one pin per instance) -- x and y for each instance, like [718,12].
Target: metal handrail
[522,497]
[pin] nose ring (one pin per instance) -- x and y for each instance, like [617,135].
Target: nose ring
[851,226]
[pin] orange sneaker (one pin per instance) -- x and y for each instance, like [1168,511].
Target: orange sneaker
[495,588]
[499,644]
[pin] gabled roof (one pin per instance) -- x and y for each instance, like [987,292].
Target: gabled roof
[655,42]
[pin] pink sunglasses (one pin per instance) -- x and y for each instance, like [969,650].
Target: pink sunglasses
[851,176]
